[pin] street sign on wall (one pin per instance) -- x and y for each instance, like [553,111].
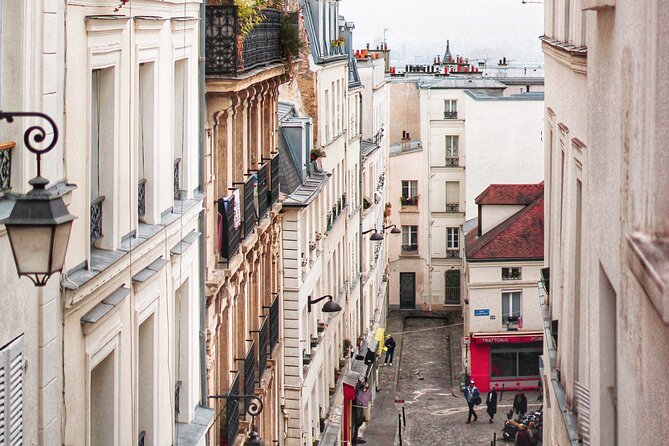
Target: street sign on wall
[482,312]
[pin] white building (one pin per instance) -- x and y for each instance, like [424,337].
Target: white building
[132,295]
[31,80]
[461,134]
[607,343]
[503,257]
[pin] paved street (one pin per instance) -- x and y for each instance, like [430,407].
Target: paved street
[434,416]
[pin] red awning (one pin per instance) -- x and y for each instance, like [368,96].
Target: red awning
[506,338]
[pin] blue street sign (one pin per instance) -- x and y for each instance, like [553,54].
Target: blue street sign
[485,312]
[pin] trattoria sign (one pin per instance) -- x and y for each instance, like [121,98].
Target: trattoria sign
[506,339]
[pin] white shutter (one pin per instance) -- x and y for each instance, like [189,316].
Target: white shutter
[11,394]
[582,397]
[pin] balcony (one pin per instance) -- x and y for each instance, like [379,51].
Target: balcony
[452,207]
[452,161]
[249,373]
[231,427]
[274,325]
[263,191]
[409,201]
[6,165]
[249,206]
[274,183]
[410,249]
[229,55]
[96,219]
[177,177]
[141,198]
[229,228]
[263,347]
[450,115]
[453,254]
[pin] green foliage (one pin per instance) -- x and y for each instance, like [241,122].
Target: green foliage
[250,14]
[290,36]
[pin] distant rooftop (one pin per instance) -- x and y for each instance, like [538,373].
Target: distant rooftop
[510,194]
[400,149]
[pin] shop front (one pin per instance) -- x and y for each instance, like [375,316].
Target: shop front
[509,360]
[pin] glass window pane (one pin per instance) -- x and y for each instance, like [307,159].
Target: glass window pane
[516,303]
[505,307]
[528,363]
[503,364]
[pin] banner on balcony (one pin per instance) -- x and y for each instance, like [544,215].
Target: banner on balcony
[236,210]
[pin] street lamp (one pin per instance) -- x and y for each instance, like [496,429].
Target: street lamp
[39,225]
[395,230]
[329,307]
[378,236]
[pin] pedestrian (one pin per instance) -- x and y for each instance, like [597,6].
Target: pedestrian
[491,403]
[390,349]
[520,403]
[473,398]
[522,437]
[535,434]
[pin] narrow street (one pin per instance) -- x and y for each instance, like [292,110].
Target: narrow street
[434,416]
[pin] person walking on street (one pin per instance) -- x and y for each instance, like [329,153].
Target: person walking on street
[491,403]
[520,403]
[473,398]
[390,349]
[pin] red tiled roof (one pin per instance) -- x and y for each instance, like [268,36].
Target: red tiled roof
[520,236]
[510,194]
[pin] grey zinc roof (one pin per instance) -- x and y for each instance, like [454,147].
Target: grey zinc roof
[286,110]
[458,83]
[307,192]
[367,147]
[481,96]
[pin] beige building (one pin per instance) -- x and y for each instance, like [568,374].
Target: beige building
[605,313]
[469,133]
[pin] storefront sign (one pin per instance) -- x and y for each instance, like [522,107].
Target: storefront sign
[485,312]
[507,339]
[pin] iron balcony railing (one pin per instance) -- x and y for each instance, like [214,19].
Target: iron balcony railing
[453,254]
[410,248]
[6,165]
[249,206]
[450,115]
[262,46]
[452,207]
[409,201]
[274,180]
[140,439]
[452,161]
[232,412]
[177,397]
[177,177]
[263,196]
[249,373]
[141,198]
[96,219]
[273,325]
[263,347]
[229,230]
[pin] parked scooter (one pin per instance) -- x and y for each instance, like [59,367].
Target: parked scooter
[511,427]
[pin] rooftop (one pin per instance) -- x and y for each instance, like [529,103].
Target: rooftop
[451,82]
[510,194]
[520,236]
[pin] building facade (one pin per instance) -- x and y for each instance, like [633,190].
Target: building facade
[604,303]
[243,227]
[503,258]
[470,133]
[132,295]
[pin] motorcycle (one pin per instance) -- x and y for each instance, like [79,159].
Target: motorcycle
[511,427]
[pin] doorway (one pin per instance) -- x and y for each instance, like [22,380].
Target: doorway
[407,291]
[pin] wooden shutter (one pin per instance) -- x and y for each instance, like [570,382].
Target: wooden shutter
[11,393]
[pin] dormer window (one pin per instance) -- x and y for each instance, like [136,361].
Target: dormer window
[514,273]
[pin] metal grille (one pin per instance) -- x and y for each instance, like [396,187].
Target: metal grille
[177,177]
[409,248]
[452,161]
[261,46]
[452,207]
[450,115]
[177,397]
[249,206]
[453,254]
[140,440]
[232,412]
[229,236]
[582,397]
[273,325]
[96,219]
[263,198]
[452,279]
[141,198]
[249,373]
[263,346]
[274,180]
[5,168]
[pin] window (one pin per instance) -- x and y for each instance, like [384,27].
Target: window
[145,144]
[453,238]
[510,307]
[511,273]
[452,281]
[519,360]
[450,109]
[180,123]
[327,116]
[102,402]
[452,157]
[11,392]
[409,238]
[145,376]
[452,196]
[409,193]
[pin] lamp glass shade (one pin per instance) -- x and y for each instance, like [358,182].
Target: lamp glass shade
[32,247]
[331,307]
[395,230]
[376,236]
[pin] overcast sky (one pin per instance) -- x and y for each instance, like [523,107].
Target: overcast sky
[476,28]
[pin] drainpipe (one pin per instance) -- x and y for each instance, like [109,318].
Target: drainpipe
[360,236]
[201,220]
[429,211]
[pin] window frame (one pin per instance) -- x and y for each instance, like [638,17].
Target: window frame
[410,231]
[410,186]
[510,273]
[512,310]
[452,150]
[453,238]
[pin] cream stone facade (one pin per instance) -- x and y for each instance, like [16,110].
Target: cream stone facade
[471,133]
[604,308]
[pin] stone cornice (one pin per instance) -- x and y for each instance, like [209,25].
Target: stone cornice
[575,58]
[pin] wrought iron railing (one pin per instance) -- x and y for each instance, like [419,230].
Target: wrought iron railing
[450,115]
[409,201]
[262,46]
[177,177]
[232,412]
[410,248]
[452,296]
[6,165]
[263,347]
[273,325]
[140,439]
[452,207]
[96,219]
[453,254]
[177,397]
[249,206]
[229,233]
[263,197]
[249,373]
[141,198]
[452,161]
[274,180]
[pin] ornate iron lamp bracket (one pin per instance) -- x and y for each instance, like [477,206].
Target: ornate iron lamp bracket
[254,406]
[35,134]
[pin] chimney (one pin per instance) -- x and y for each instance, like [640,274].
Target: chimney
[406,139]
[438,59]
[368,46]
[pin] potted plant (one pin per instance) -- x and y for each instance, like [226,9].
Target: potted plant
[317,153]
[338,42]
[321,327]
[291,42]
[366,204]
